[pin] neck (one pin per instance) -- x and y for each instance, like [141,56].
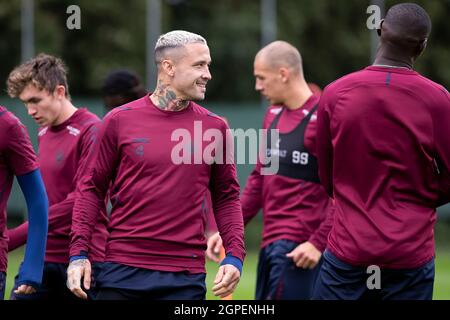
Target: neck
[387,59]
[67,110]
[298,96]
[165,98]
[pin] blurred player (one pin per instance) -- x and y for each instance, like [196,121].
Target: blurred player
[120,87]
[384,156]
[17,158]
[297,212]
[157,242]
[66,136]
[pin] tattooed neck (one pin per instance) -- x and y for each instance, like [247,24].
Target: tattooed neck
[165,98]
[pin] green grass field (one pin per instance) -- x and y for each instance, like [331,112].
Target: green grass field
[246,287]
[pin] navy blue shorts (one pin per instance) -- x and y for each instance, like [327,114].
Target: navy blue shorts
[341,281]
[2,285]
[279,278]
[122,282]
[54,285]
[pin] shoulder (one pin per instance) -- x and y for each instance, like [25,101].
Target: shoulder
[88,116]
[126,109]
[345,82]
[336,89]
[8,121]
[218,121]
[435,88]
[7,118]
[123,114]
[12,128]
[87,119]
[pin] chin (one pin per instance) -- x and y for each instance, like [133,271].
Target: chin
[198,97]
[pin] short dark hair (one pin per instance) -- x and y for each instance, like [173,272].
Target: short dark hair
[125,83]
[410,19]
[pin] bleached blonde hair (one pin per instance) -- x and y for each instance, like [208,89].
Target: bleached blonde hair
[172,40]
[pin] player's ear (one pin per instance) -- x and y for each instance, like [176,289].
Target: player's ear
[284,74]
[421,48]
[379,28]
[60,92]
[423,45]
[168,67]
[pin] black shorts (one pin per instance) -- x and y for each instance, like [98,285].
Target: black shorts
[54,286]
[122,282]
[339,280]
[2,285]
[279,278]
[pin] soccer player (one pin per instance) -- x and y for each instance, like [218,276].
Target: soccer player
[384,156]
[120,87]
[66,137]
[297,212]
[17,158]
[157,242]
[123,86]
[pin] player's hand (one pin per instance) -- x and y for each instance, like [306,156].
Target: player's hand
[214,246]
[305,255]
[25,289]
[80,268]
[226,280]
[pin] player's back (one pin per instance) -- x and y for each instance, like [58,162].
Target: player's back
[384,171]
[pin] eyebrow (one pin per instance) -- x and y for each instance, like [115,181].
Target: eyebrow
[208,62]
[31,99]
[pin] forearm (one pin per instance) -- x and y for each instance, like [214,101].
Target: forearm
[93,180]
[251,199]
[59,214]
[17,236]
[84,217]
[444,189]
[228,214]
[37,204]
[320,237]
[324,147]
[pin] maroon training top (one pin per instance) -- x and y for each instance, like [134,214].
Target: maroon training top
[63,152]
[16,158]
[384,155]
[158,218]
[293,209]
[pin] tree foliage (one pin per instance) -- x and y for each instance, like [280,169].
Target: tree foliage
[331,35]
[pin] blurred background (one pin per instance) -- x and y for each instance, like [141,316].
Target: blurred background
[332,37]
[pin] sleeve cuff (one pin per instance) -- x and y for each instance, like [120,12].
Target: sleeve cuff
[317,244]
[229,259]
[31,283]
[73,258]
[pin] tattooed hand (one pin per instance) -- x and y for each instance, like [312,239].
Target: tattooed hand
[78,269]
